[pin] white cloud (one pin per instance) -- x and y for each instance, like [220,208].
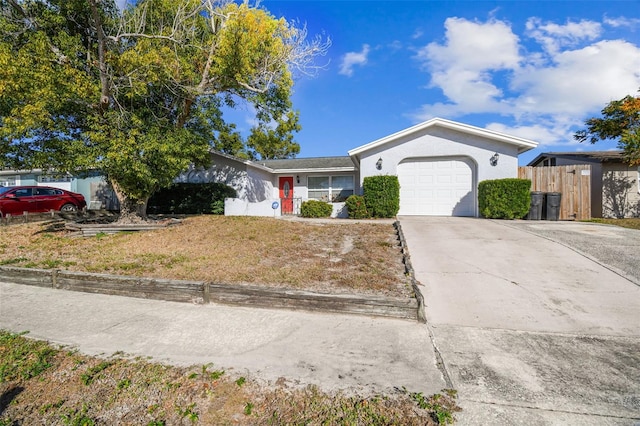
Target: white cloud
[351,59]
[473,45]
[545,135]
[579,80]
[553,36]
[544,89]
[621,21]
[395,45]
[462,66]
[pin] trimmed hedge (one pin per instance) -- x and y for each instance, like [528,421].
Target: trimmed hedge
[382,195]
[315,208]
[356,207]
[504,198]
[191,198]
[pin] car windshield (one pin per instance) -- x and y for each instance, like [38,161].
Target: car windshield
[4,189]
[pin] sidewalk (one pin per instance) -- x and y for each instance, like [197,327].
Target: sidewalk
[335,352]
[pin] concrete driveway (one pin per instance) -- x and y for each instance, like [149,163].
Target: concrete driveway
[531,331]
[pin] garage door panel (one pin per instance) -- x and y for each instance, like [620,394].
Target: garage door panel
[436,187]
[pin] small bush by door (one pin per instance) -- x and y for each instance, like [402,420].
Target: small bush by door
[315,208]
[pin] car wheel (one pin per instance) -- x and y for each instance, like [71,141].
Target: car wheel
[68,208]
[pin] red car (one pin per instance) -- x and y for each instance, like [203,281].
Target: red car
[15,200]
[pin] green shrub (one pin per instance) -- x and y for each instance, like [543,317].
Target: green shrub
[382,195]
[315,208]
[356,207]
[191,198]
[504,198]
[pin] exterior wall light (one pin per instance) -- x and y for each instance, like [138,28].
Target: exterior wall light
[297,178]
[494,159]
[379,164]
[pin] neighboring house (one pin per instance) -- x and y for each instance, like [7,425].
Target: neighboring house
[439,164]
[615,186]
[85,186]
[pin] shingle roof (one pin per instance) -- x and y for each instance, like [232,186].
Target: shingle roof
[614,156]
[308,163]
[595,155]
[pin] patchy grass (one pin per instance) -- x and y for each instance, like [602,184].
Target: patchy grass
[41,384]
[633,223]
[338,258]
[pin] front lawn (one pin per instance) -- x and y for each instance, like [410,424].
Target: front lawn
[335,258]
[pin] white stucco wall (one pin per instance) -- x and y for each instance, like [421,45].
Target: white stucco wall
[251,183]
[439,142]
[239,207]
[620,190]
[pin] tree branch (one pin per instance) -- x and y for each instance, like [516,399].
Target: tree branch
[102,64]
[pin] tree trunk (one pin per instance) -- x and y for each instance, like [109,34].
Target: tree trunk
[131,210]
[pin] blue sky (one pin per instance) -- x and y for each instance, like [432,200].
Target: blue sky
[535,69]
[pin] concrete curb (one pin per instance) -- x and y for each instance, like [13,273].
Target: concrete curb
[422,316]
[204,292]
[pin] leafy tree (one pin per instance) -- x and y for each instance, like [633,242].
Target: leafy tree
[266,142]
[137,94]
[620,120]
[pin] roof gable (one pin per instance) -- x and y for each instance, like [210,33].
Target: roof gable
[522,144]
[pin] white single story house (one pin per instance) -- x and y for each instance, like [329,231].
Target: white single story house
[439,164]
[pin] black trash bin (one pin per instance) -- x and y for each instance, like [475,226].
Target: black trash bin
[552,205]
[537,201]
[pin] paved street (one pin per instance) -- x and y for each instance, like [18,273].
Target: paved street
[530,331]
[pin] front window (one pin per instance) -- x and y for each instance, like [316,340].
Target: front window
[330,188]
[54,178]
[7,181]
[318,187]
[341,188]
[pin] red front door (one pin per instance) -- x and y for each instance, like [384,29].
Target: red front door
[286,194]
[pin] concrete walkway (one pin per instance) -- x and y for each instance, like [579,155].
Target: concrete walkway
[529,330]
[333,351]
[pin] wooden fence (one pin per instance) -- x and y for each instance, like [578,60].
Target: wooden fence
[574,182]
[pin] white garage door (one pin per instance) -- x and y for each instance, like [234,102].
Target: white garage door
[436,187]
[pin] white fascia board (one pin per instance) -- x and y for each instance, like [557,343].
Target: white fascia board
[523,144]
[243,161]
[18,172]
